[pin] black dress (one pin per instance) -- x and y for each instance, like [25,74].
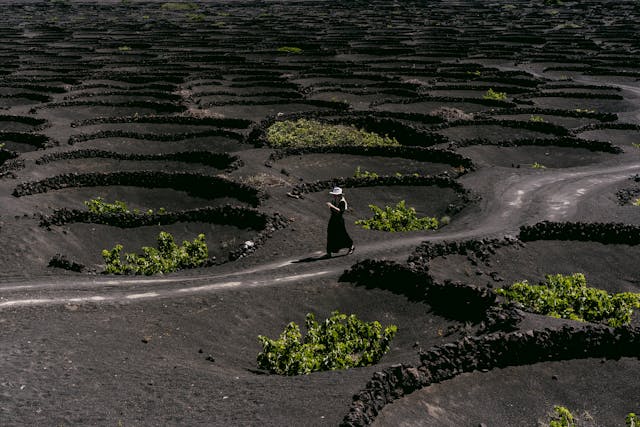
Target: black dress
[337,236]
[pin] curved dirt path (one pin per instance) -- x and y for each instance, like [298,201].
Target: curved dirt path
[518,199]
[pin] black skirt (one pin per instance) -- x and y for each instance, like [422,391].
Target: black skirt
[337,236]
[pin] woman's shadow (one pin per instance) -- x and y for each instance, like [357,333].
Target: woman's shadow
[318,258]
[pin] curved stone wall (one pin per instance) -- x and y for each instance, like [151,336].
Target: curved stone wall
[216,160]
[414,153]
[612,233]
[487,352]
[197,185]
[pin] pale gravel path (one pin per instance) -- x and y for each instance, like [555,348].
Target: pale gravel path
[519,199]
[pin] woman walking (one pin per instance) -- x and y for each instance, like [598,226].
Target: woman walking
[337,236]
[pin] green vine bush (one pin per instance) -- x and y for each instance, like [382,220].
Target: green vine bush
[537,165]
[497,96]
[340,342]
[289,49]
[398,218]
[359,173]
[564,418]
[178,6]
[568,297]
[311,133]
[167,257]
[99,206]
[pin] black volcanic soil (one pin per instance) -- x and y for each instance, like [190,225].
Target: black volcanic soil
[132,86]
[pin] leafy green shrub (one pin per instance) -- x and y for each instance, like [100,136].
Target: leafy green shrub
[398,218]
[195,16]
[99,206]
[290,49]
[124,48]
[568,297]
[633,144]
[563,417]
[310,133]
[537,165]
[178,6]
[636,202]
[632,420]
[167,257]
[497,96]
[537,119]
[359,173]
[340,342]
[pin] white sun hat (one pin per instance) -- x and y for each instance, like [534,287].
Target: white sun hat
[336,191]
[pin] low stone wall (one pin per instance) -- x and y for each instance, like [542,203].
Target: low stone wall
[74,139]
[229,215]
[481,249]
[450,299]
[216,160]
[222,122]
[570,142]
[465,196]
[608,233]
[31,138]
[603,117]
[197,185]
[407,152]
[487,352]
[543,127]
[627,196]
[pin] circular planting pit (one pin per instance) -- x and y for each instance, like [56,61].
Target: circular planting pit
[622,137]
[590,104]
[316,166]
[527,156]
[609,267]
[523,395]
[83,243]
[494,133]
[171,189]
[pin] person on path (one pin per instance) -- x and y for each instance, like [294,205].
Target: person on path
[337,236]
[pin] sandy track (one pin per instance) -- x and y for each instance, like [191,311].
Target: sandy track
[551,196]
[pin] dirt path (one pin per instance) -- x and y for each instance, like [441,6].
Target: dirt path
[519,199]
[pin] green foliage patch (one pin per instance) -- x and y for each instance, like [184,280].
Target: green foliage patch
[290,49]
[398,218]
[563,417]
[99,206]
[167,257]
[310,133]
[340,342]
[359,173]
[497,96]
[537,165]
[569,297]
[178,6]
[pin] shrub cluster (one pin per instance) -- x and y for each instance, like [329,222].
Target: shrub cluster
[100,207]
[569,297]
[167,257]
[564,418]
[305,133]
[340,342]
[398,218]
[497,96]
[359,173]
